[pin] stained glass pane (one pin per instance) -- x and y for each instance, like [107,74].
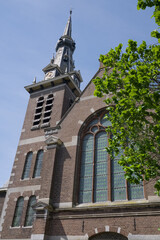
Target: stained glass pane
[27,165]
[116,168]
[100,182]
[101,155]
[86,183]
[85,197]
[118,194]
[18,212]
[101,140]
[100,196]
[30,212]
[86,173]
[94,129]
[88,143]
[105,122]
[93,122]
[135,191]
[100,178]
[38,164]
[118,180]
[86,170]
[101,168]
[87,157]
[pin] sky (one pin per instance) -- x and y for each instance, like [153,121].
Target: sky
[29,31]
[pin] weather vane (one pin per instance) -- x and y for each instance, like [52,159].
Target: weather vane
[71,11]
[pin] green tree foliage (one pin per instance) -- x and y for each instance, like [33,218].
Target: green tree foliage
[142,4]
[132,84]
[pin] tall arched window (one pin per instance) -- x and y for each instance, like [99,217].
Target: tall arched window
[30,212]
[102,178]
[27,165]
[18,212]
[38,164]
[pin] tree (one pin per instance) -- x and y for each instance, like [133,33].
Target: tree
[132,83]
[142,4]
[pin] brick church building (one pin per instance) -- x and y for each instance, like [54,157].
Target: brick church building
[63,184]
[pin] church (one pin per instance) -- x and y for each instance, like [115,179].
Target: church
[63,184]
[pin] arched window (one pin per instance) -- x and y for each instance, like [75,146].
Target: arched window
[30,212]
[102,178]
[18,212]
[27,165]
[38,164]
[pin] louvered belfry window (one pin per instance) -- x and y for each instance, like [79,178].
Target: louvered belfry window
[38,112]
[48,109]
[30,212]
[43,112]
[18,212]
[102,178]
[27,165]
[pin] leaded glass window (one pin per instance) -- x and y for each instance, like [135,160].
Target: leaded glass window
[18,212]
[102,178]
[30,212]
[27,165]
[38,164]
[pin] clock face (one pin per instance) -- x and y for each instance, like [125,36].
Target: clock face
[49,75]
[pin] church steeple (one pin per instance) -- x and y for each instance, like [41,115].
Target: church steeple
[68,28]
[61,68]
[65,48]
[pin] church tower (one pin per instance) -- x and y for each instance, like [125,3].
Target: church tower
[32,172]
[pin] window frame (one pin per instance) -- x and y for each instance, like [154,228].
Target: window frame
[16,214]
[38,160]
[29,208]
[86,129]
[27,161]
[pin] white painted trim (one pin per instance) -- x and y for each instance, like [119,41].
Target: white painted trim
[92,110]
[31,140]
[87,98]
[63,205]
[143,237]
[38,237]
[42,139]
[107,228]
[72,143]
[80,122]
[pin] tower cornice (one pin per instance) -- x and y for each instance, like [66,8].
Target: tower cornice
[67,78]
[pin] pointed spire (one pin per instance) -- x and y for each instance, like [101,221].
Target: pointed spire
[68,28]
[34,81]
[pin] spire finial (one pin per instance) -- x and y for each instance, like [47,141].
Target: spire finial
[68,28]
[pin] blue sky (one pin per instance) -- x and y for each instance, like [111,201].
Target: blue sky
[29,30]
